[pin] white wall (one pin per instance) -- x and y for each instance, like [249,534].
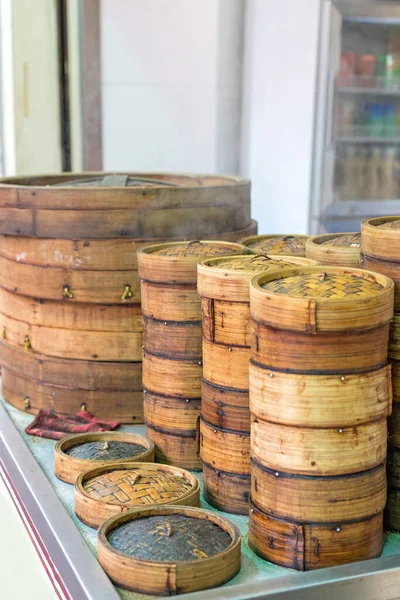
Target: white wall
[171,84]
[278,110]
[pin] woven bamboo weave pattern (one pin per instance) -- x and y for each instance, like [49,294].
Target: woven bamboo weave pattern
[167,538]
[105,451]
[137,487]
[323,285]
[347,241]
[390,225]
[193,250]
[288,244]
[251,263]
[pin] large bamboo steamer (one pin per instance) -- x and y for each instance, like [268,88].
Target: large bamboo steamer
[172,357]
[203,550]
[321,320]
[318,451]
[313,546]
[277,244]
[110,390]
[309,499]
[295,399]
[97,205]
[340,249]
[226,408]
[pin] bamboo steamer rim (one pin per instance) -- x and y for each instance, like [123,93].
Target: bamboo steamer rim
[309,314]
[83,464]
[132,465]
[252,241]
[220,280]
[131,515]
[378,224]
[172,269]
[320,246]
[157,179]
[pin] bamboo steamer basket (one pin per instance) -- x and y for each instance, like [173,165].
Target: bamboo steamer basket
[110,390]
[341,249]
[172,357]
[104,206]
[77,331]
[223,284]
[380,238]
[313,546]
[297,319]
[308,499]
[106,491]
[318,451]
[277,244]
[203,550]
[81,452]
[226,467]
[295,399]
[389,269]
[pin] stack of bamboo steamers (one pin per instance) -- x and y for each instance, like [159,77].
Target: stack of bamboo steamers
[70,313]
[380,247]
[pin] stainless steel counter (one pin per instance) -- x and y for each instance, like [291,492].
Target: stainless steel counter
[69,548]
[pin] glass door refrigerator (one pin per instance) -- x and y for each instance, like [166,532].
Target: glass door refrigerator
[356,164]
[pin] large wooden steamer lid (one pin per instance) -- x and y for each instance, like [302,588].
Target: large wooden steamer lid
[227,278]
[322,299]
[335,249]
[130,205]
[106,491]
[169,550]
[176,262]
[276,244]
[78,453]
[380,238]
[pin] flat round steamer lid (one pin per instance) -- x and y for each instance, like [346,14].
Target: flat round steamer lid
[277,244]
[176,262]
[312,299]
[169,550]
[345,240]
[108,450]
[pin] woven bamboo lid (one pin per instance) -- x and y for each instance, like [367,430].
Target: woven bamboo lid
[78,453]
[335,249]
[169,550]
[106,491]
[311,299]
[227,278]
[380,238]
[176,262]
[277,244]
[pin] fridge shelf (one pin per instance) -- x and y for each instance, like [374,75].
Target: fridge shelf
[366,139]
[348,84]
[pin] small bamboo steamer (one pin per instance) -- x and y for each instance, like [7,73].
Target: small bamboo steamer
[172,357]
[277,244]
[322,299]
[224,450]
[322,451]
[160,574]
[68,467]
[314,546]
[309,499]
[380,238]
[341,249]
[174,449]
[225,408]
[389,269]
[295,398]
[131,485]
[228,492]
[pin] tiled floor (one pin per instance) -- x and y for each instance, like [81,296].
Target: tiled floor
[21,572]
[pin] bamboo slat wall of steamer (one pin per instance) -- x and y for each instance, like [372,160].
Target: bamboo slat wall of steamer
[224,287]
[320,394]
[380,251]
[337,249]
[172,356]
[70,313]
